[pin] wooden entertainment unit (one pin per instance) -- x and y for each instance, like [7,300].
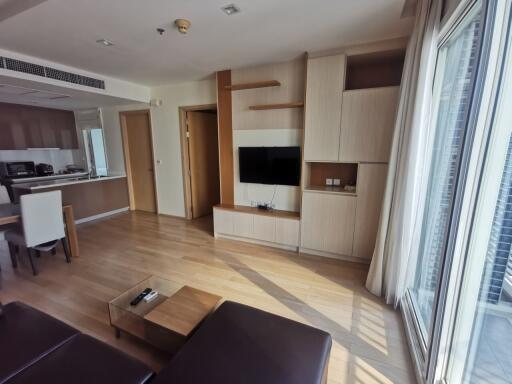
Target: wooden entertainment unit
[274,228]
[351,99]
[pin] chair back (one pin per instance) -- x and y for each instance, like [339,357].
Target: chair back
[4,195]
[41,216]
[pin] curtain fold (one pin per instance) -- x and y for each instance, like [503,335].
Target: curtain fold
[394,253]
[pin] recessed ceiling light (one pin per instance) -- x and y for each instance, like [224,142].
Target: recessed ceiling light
[230,9]
[106,43]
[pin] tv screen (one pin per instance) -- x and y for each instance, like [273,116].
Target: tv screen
[269,165]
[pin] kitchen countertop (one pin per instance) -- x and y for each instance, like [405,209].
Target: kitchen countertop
[63,182]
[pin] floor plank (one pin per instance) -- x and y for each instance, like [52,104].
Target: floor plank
[116,253]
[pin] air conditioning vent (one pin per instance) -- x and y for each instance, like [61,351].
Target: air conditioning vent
[50,73]
[74,78]
[25,67]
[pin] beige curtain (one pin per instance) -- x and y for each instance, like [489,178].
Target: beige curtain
[394,248]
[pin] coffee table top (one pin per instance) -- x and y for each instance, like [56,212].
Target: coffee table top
[184,310]
[177,308]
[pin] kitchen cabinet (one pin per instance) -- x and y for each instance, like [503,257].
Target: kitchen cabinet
[23,127]
[328,222]
[367,124]
[324,88]
[371,183]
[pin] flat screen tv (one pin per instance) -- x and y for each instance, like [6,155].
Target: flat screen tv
[269,165]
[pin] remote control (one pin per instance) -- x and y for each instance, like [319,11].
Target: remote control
[151,296]
[143,294]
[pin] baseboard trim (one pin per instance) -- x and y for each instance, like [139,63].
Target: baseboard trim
[102,215]
[307,251]
[258,242]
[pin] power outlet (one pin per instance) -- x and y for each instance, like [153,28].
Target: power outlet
[328,181]
[337,182]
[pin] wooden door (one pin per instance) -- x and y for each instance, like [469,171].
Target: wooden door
[328,222]
[367,124]
[324,87]
[203,149]
[139,159]
[371,182]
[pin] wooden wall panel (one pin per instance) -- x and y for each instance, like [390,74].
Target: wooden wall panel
[224,115]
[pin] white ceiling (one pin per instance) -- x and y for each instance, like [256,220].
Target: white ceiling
[65,31]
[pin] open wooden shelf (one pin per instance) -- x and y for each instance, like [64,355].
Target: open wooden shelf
[257,84]
[261,107]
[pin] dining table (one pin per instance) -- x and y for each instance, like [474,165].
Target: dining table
[11,213]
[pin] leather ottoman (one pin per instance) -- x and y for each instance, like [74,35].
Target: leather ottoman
[240,344]
[26,336]
[85,360]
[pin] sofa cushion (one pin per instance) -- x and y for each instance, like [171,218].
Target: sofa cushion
[27,335]
[85,360]
[240,344]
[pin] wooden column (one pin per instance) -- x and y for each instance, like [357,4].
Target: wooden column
[224,114]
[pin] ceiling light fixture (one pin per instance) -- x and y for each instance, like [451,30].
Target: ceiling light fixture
[230,9]
[106,43]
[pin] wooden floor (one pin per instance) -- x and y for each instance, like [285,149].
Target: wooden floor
[369,343]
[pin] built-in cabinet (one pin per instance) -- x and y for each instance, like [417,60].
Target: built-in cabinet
[351,103]
[324,91]
[276,228]
[367,122]
[25,127]
[327,223]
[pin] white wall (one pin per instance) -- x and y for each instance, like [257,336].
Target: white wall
[166,139]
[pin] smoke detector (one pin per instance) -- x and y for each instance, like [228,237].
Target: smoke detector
[182,25]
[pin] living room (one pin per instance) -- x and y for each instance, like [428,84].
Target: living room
[270,192]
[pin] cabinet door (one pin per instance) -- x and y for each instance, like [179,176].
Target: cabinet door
[371,182]
[243,224]
[324,86]
[328,222]
[367,123]
[222,221]
[264,228]
[287,232]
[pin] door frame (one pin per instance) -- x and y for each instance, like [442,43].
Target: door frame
[126,154]
[185,156]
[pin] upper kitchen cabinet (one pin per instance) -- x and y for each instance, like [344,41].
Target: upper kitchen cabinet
[24,127]
[367,123]
[324,89]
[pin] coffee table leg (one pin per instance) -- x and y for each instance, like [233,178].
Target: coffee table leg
[118,333]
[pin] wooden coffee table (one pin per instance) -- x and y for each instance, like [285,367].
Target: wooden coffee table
[167,321]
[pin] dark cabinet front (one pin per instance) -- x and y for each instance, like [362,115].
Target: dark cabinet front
[23,127]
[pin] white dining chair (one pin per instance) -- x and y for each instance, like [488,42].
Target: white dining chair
[4,195]
[42,227]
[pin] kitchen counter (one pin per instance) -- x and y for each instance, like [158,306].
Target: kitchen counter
[91,198]
[44,184]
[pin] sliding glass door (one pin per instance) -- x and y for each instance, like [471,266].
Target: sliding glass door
[458,305]
[455,80]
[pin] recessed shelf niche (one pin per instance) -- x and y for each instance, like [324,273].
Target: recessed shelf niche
[316,173]
[373,70]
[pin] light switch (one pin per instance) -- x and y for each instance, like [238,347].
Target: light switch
[328,181]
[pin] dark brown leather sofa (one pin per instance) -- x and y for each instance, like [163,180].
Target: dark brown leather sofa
[236,344]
